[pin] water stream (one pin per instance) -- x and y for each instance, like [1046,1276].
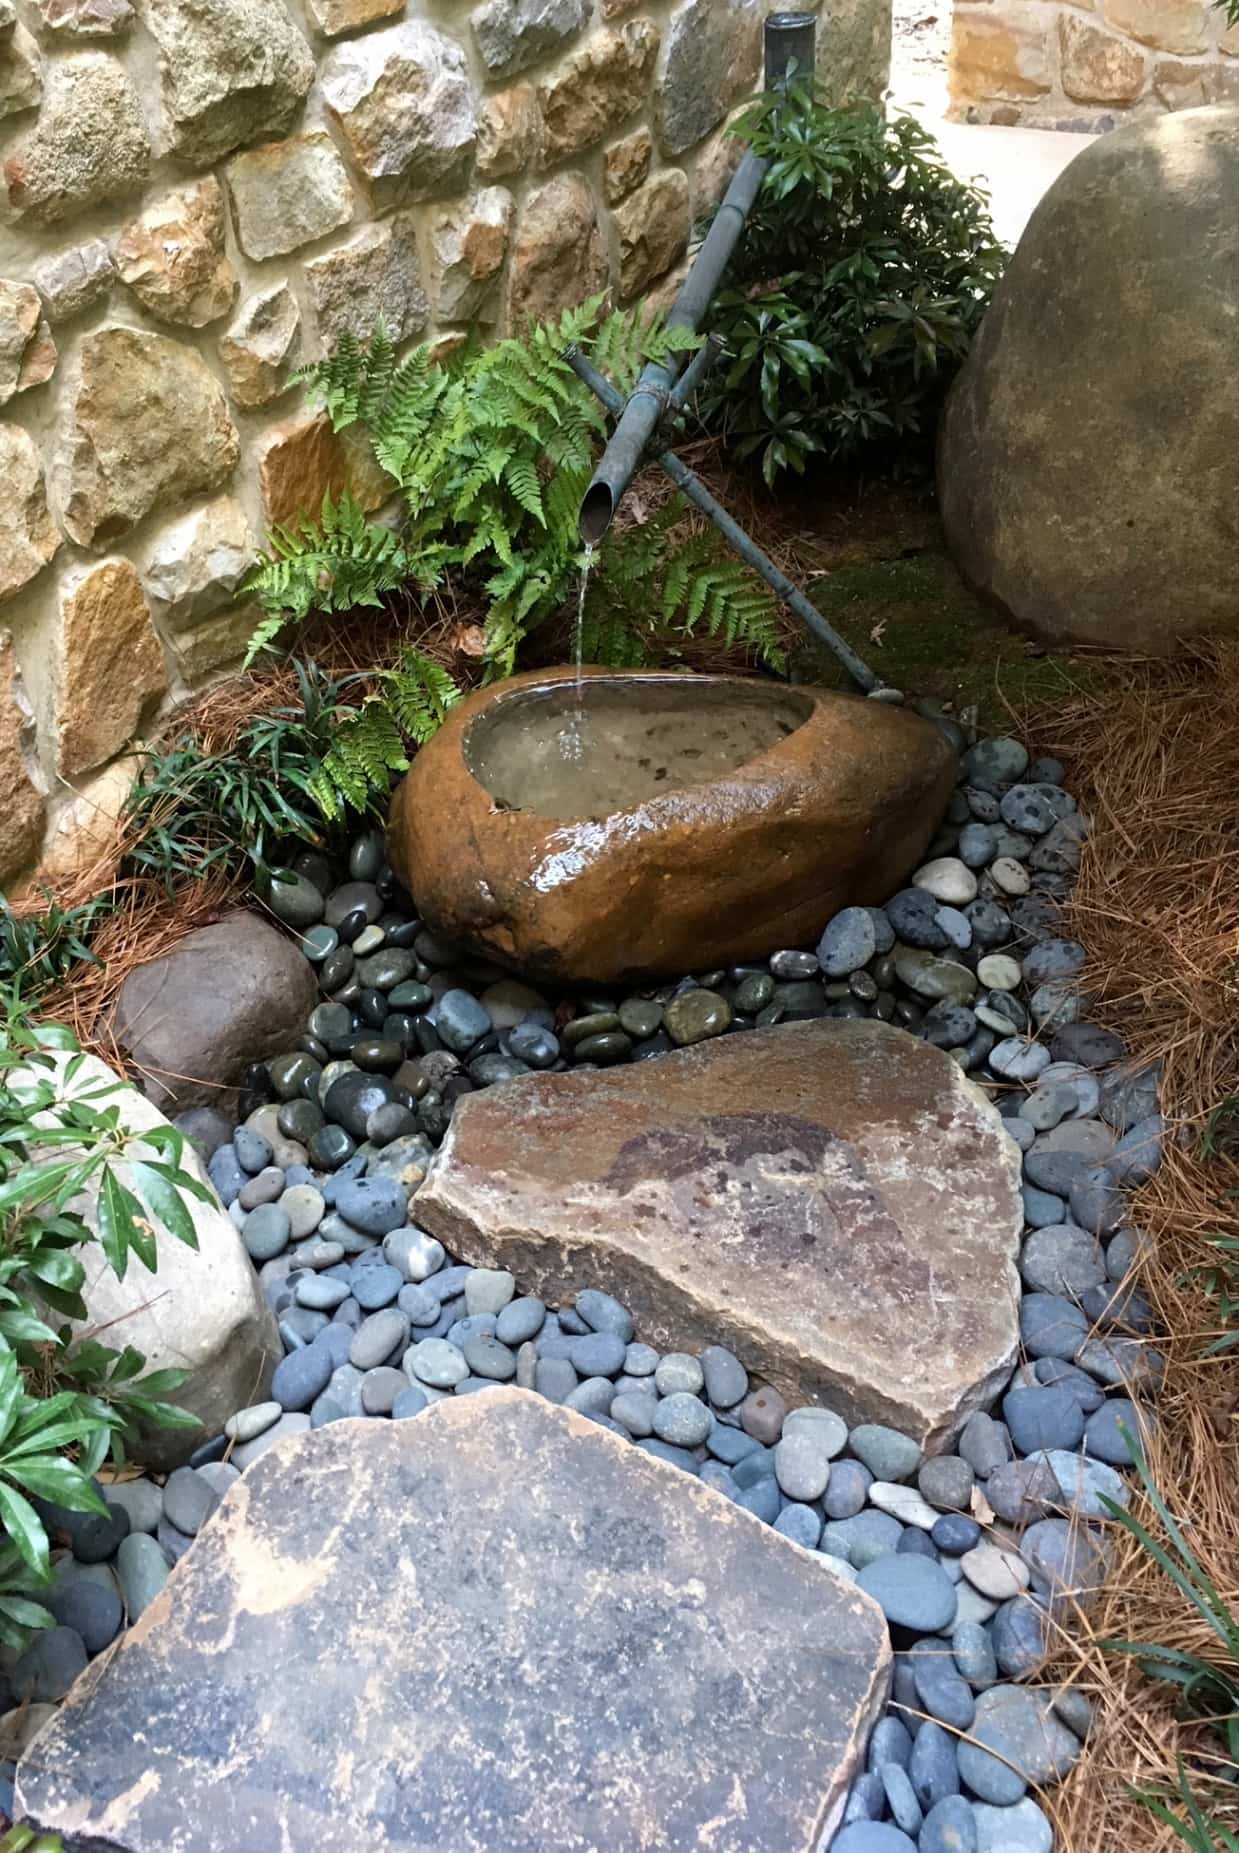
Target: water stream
[572,739]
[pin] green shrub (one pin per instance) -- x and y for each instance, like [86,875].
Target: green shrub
[491,452]
[860,279]
[64,1409]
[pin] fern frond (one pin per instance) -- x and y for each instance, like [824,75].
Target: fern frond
[420,692]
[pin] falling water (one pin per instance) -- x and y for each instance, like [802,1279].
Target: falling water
[573,738]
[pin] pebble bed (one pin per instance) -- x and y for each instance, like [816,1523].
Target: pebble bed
[973,1556]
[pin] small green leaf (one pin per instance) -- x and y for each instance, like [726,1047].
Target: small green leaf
[25,1528]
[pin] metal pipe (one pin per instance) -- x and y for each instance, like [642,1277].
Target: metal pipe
[789,48]
[695,373]
[696,492]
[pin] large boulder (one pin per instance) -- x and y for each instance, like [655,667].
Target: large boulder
[226,995]
[202,1310]
[1086,470]
[660,823]
[834,1201]
[497,1625]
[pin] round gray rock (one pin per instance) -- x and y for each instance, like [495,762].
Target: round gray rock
[1145,550]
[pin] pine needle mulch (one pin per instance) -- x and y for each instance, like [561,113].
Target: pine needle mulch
[144,919]
[1155,761]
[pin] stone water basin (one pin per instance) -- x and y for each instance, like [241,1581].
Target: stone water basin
[651,823]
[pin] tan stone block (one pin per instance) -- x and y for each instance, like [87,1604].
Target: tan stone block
[28,535]
[626,164]
[86,19]
[404,102]
[218,644]
[74,279]
[109,664]
[27,350]
[21,822]
[1095,66]
[558,259]
[196,564]
[332,17]
[1228,41]
[715,165]
[88,144]
[993,58]
[286,194]
[596,87]
[509,132]
[173,259]
[1167,25]
[1181,86]
[144,423]
[228,73]
[469,240]
[1222,84]
[86,832]
[375,274]
[653,227]
[21,73]
[302,460]
[262,346]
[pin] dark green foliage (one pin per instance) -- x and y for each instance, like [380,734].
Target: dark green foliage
[63,1411]
[369,744]
[1231,9]
[492,452]
[39,949]
[193,812]
[861,277]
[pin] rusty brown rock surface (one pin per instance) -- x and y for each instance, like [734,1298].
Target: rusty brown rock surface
[497,1625]
[835,814]
[835,1201]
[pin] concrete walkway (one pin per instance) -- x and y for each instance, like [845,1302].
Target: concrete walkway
[1015,166]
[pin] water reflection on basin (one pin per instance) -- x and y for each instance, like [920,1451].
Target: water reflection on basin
[615,743]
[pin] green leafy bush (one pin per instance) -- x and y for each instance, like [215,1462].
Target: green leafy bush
[491,452]
[64,1410]
[860,279]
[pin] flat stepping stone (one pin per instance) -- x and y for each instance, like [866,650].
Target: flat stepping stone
[402,1579]
[833,1201]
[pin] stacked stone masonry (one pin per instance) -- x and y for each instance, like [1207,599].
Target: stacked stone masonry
[1090,65]
[199,196]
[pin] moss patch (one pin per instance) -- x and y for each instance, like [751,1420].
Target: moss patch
[917,625]
[877,569]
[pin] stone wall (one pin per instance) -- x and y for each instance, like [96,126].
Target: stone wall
[1088,66]
[198,196]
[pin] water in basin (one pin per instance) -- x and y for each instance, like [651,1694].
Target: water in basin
[623,741]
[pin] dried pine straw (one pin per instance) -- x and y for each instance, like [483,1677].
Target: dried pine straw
[1155,761]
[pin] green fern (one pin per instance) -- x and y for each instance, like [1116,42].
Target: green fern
[409,704]
[491,452]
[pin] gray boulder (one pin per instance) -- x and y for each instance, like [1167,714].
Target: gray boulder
[1086,461]
[226,995]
